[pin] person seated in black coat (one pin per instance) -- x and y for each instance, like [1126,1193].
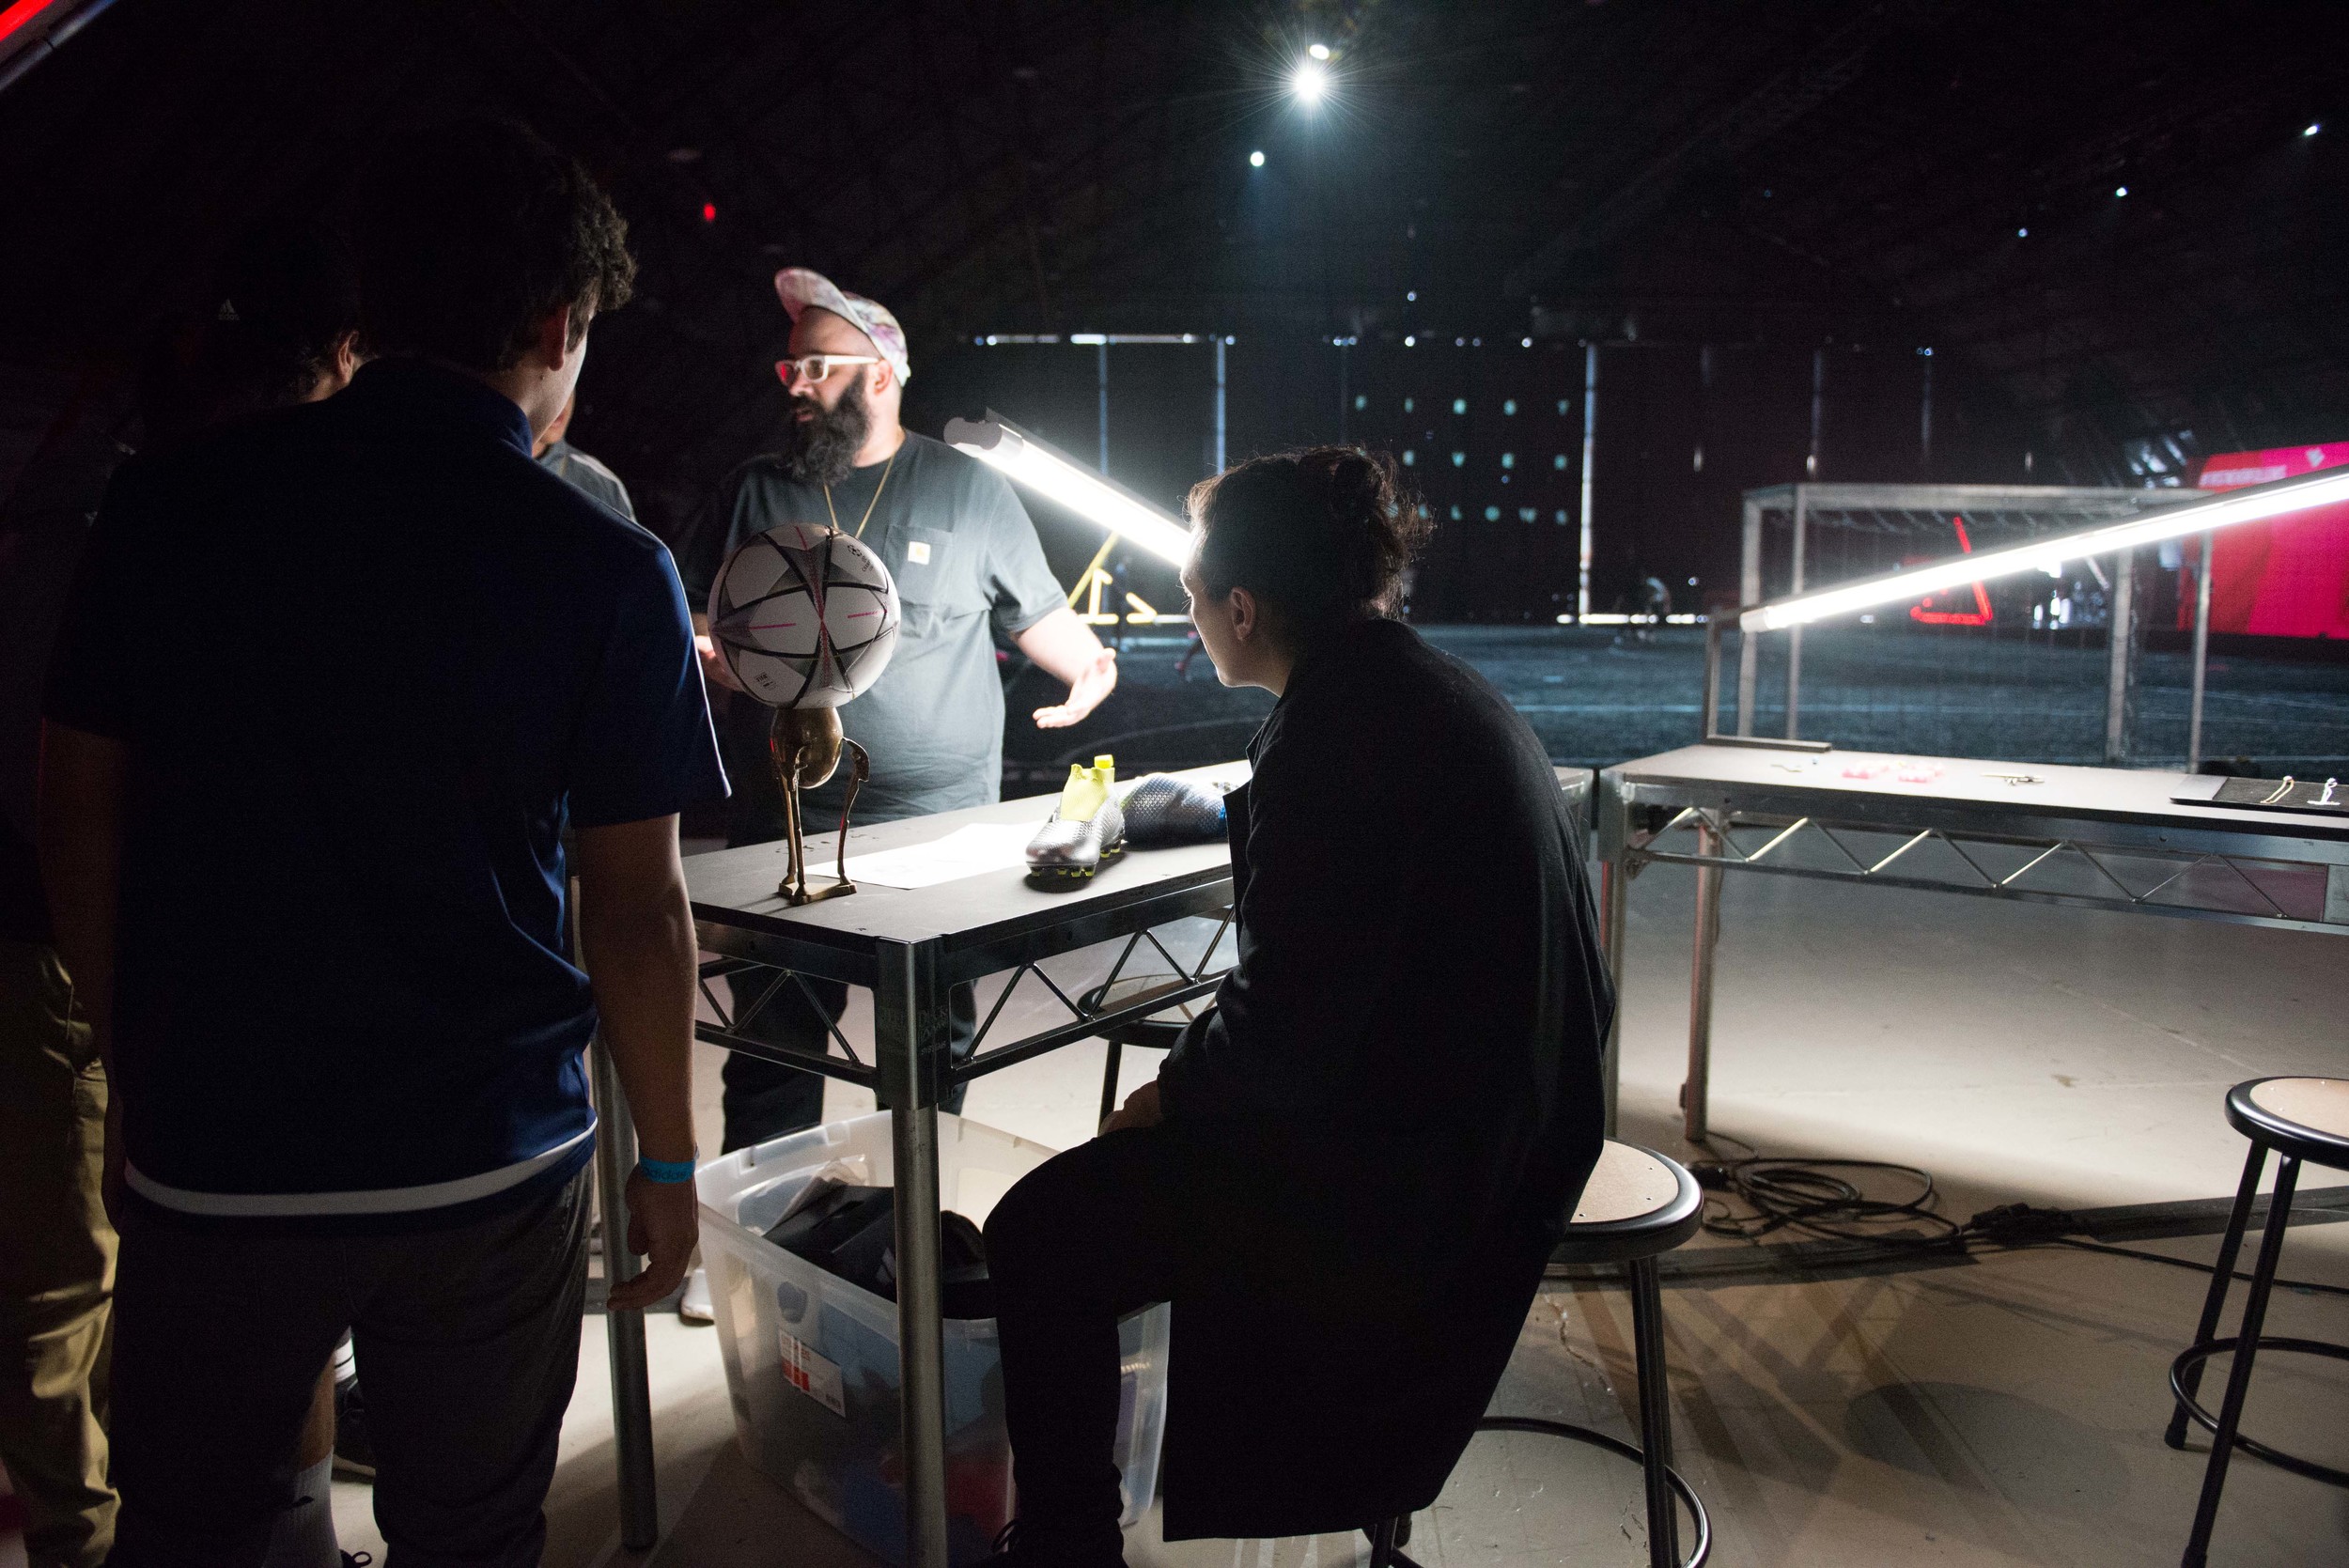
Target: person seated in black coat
[1348,1175]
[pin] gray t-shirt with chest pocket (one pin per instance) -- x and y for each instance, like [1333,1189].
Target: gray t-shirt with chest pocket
[966,561]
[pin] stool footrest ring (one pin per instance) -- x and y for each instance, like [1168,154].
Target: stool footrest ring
[2208,1423]
[1702,1547]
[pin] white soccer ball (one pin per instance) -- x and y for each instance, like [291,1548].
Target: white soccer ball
[806,616]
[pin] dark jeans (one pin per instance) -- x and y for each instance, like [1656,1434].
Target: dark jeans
[1081,1241]
[766,1100]
[468,1337]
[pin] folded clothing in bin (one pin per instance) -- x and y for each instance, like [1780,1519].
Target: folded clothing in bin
[812,1366]
[850,1233]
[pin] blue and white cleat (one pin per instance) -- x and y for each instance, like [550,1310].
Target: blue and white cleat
[1162,810]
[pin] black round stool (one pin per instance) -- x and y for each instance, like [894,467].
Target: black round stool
[2301,1119]
[1159,1031]
[1636,1205]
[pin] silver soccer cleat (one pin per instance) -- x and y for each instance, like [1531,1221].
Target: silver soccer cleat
[1085,832]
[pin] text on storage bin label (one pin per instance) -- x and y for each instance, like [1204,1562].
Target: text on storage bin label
[811,1374]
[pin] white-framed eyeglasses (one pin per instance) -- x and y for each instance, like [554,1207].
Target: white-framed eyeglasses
[813,368]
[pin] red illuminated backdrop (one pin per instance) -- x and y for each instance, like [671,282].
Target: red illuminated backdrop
[1934,610]
[2287,576]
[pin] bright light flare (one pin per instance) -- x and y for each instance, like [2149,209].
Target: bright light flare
[2171,523]
[1318,51]
[1255,160]
[1026,460]
[1311,81]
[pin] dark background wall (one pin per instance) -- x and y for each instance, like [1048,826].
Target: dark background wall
[1746,406]
[1769,181]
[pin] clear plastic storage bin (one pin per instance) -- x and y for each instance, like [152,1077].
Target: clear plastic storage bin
[812,1360]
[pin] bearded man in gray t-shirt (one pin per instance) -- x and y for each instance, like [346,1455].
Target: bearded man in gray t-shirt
[966,563]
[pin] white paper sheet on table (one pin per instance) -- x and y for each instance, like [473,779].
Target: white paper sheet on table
[967,851]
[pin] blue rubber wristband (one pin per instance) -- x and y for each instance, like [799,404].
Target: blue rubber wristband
[668,1173]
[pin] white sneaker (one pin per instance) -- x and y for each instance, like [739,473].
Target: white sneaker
[694,1305]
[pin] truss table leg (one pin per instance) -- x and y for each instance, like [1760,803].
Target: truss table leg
[910,1018]
[1696,1090]
[1614,878]
[624,1332]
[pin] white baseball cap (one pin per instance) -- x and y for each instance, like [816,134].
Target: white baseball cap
[799,286]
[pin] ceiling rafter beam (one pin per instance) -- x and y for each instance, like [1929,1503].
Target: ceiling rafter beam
[1788,95]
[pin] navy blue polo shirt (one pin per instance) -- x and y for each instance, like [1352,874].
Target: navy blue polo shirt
[369,661]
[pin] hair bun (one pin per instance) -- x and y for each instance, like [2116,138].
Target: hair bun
[1323,534]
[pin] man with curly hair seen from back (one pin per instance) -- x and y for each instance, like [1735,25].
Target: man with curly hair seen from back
[334,684]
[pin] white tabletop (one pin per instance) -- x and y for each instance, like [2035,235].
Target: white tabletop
[1873,780]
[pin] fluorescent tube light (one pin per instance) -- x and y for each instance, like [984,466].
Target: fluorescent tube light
[2168,523]
[1026,460]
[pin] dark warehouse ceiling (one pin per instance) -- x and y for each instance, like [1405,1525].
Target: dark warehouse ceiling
[1722,171]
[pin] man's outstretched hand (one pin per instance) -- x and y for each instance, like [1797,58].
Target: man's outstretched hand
[1064,647]
[665,1224]
[1098,679]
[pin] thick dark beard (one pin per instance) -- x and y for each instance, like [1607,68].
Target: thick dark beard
[823,450]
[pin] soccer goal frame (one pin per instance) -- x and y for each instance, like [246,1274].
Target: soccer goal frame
[2015,509]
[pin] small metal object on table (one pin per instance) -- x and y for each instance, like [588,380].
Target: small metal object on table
[911,947]
[2098,838]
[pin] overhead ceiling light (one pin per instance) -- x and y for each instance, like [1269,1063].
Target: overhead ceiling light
[2120,190]
[1027,461]
[1318,51]
[1310,80]
[1255,160]
[2248,504]
[2314,126]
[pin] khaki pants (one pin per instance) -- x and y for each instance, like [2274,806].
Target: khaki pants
[57,1264]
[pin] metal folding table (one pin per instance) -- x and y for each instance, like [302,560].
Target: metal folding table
[2103,838]
[911,948]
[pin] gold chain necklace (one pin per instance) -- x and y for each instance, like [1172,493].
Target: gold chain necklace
[868,505]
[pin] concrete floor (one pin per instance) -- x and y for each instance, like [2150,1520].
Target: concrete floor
[2003,1411]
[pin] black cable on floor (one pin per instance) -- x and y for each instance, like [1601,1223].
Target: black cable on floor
[2281,1283]
[1814,1198]
[1755,1195]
